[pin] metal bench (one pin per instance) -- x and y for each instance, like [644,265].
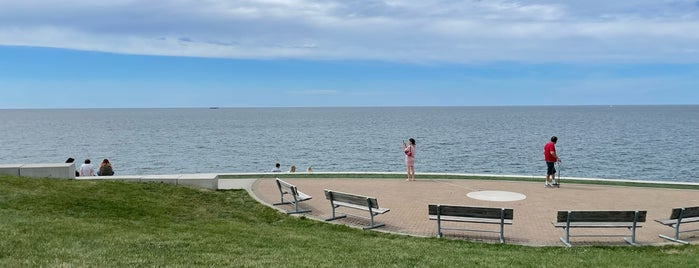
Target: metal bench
[600,219]
[680,216]
[499,216]
[297,196]
[365,203]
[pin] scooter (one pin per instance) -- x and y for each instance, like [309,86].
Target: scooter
[558,180]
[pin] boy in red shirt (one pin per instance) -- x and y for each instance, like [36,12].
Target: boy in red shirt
[551,158]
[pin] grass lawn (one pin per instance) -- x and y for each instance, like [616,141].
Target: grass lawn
[70,223]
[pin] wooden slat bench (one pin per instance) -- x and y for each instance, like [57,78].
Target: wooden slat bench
[365,203]
[499,216]
[680,216]
[295,198]
[600,219]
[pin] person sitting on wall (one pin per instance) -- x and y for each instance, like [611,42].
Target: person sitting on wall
[71,160]
[105,168]
[277,168]
[87,169]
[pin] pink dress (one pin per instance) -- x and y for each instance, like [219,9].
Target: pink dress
[409,159]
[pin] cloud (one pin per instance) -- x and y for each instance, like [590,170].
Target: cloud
[395,30]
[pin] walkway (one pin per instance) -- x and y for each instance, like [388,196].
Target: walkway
[532,216]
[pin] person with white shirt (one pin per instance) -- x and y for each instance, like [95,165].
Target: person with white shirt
[87,169]
[277,168]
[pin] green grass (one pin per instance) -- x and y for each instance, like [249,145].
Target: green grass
[71,223]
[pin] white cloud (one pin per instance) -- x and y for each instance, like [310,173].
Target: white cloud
[391,30]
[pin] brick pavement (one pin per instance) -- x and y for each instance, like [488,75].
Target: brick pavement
[532,216]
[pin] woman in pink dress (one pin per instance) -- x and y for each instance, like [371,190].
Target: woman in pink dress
[409,151]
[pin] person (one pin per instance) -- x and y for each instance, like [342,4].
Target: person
[71,160]
[105,168]
[87,169]
[551,158]
[409,151]
[309,170]
[277,168]
[292,169]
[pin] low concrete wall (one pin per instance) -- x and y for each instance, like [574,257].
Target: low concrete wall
[61,170]
[12,170]
[50,170]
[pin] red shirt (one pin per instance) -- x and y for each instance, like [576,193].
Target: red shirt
[548,148]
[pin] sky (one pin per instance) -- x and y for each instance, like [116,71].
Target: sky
[309,53]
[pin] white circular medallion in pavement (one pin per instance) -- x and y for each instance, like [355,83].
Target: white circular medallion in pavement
[501,196]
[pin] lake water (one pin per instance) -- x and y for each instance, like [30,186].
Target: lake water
[614,142]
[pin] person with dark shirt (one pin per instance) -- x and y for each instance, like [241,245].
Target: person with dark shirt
[72,160]
[105,168]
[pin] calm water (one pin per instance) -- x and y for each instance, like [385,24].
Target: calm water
[620,142]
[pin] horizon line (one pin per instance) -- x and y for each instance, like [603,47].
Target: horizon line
[350,106]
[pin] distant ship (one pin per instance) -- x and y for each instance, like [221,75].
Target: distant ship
[213,108]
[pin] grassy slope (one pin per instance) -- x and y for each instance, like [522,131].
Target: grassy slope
[86,223]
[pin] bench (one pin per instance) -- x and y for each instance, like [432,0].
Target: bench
[600,219]
[500,216]
[679,216]
[296,196]
[370,204]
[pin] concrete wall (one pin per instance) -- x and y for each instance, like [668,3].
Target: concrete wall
[50,170]
[61,170]
[12,170]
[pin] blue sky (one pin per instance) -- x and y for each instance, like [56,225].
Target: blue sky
[278,53]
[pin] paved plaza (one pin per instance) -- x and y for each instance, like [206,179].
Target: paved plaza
[532,215]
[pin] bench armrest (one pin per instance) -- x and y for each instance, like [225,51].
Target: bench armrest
[303,197]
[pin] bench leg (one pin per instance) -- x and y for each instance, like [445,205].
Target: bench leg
[502,231]
[297,211]
[296,208]
[566,240]
[373,226]
[676,228]
[632,241]
[371,222]
[281,201]
[335,217]
[281,198]
[673,239]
